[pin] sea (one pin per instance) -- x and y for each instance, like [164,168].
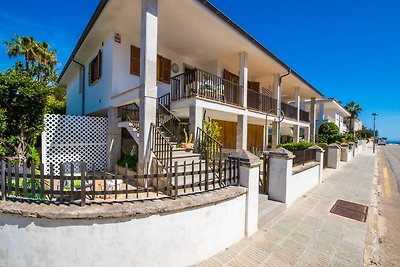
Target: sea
[393,142]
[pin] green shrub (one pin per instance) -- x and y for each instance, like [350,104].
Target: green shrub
[329,138]
[285,139]
[131,160]
[297,146]
[328,128]
[34,157]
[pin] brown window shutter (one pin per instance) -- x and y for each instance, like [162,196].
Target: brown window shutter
[166,70]
[99,64]
[163,69]
[135,60]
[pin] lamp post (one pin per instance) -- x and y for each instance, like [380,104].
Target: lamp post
[373,147]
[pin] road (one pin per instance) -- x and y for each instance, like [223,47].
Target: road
[389,205]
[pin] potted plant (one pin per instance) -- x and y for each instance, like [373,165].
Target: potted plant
[188,144]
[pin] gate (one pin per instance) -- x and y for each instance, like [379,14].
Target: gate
[264,174]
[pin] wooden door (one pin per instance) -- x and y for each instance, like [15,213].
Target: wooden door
[231,88]
[227,134]
[255,137]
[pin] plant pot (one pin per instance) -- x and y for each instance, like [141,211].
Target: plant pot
[187,146]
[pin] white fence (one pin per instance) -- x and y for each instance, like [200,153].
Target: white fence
[74,139]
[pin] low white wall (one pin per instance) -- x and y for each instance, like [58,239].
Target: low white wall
[177,239]
[300,183]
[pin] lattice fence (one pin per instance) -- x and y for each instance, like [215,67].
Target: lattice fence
[74,139]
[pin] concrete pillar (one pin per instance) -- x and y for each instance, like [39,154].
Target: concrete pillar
[280,169]
[334,151]
[344,154]
[249,171]
[320,158]
[113,138]
[241,135]
[195,119]
[266,130]
[296,133]
[297,102]
[321,112]
[148,78]
[275,135]
[307,134]
[243,76]
[277,92]
[312,120]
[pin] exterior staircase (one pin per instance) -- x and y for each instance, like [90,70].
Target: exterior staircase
[166,137]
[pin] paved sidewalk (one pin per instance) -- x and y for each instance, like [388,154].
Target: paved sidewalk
[306,234]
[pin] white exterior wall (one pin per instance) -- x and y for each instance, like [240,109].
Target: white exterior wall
[74,97]
[300,183]
[97,95]
[178,239]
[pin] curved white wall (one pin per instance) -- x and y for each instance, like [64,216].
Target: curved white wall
[176,239]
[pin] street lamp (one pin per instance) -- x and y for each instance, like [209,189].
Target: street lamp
[373,147]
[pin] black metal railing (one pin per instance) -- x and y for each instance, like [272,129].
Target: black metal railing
[289,110]
[161,147]
[169,123]
[304,156]
[130,113]
[203,84]
[207,146]
[165,100]
[304,116]
[261,102]
[89,185]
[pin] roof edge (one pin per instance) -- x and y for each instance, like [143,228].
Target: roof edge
[208,5]
[84,34]
[224,17]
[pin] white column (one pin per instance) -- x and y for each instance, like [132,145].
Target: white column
[296,128]
[249,171]
[277,94]
[113,138]
[241,137]
[307,134]
[312,120]
[195,119]
[266,130]
[243,76]
[297,102]
[148,77]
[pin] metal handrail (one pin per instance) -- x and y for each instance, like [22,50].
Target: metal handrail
[161,147]
[205,148]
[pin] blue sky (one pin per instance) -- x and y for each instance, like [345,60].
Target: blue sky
[349,50]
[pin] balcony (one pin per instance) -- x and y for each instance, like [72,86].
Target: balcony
[291,112]
[206,85]
[261,102]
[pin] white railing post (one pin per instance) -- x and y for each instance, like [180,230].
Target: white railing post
[334,151]
[249,171]
[319,158]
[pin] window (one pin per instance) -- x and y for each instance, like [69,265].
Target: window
[135,60]
[163,65]
[95,69]
[163,69]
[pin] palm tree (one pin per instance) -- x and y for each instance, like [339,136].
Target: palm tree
[40,60]
[47,61]
[355,110]
[22,46]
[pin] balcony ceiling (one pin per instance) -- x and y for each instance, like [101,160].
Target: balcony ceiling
[189,29]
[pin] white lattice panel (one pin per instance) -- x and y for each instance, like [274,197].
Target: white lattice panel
[74,139]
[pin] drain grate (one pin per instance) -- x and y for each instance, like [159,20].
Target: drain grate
[350,210]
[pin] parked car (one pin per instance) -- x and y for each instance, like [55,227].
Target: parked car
[381,142]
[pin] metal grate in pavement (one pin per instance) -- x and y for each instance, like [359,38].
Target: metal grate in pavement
[350,210]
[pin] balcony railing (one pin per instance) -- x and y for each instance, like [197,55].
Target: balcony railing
[261,102]
[200,83]
[304,115]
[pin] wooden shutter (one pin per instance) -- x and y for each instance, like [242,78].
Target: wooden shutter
[99,64]
[135,60]
[163,69]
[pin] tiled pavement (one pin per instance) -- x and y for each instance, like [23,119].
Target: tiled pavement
[306,234]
